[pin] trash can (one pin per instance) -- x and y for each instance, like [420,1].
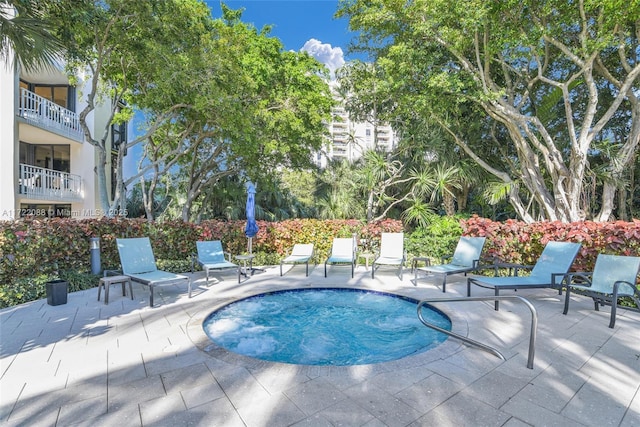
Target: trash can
[57,292]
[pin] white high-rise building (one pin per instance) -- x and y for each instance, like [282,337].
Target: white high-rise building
[349,139]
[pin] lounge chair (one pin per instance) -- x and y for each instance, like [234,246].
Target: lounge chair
[554,262]
[301,253]
[612,277]
[343,251]
[138,262]
[466,258]
[210,256]
[391,252]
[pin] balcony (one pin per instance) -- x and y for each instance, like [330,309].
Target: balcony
[47,184]
[47,115]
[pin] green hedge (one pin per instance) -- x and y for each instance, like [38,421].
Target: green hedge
[34,251]
[436,240]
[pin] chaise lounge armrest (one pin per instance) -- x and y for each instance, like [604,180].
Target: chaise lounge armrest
[513,267]
[582,278]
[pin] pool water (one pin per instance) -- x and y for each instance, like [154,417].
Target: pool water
[336,327]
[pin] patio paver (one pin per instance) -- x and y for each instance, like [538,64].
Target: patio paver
[85,363]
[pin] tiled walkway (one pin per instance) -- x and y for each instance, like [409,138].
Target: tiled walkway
[125,364]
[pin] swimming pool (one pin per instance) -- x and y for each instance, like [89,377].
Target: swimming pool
[325,326]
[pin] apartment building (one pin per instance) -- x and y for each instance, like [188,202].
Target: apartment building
[48,167]
[350,139]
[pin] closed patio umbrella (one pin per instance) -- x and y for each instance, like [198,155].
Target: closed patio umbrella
[251,228]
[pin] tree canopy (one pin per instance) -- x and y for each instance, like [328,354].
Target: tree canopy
[549,86]
[217,96]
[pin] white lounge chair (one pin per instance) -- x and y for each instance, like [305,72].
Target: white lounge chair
[343,251]
[391,252]
[301,253]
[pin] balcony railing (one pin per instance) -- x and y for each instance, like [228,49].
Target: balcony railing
[48,184]
[48,115]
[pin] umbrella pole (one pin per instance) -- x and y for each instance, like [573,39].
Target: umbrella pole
[250,247]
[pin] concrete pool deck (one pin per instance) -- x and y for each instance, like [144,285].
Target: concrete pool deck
[125,364]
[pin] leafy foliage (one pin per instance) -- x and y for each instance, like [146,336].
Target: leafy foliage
[520,242]
[529,90]
[33,251]
[435,240]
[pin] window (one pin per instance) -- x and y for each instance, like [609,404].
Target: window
[114,176]
[118,132]
[63,95]
[55,157]
[118,135]
[45,211]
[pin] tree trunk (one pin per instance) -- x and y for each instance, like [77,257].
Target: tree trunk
[370,206]
[622,161]
[448,201]
[146,202]
[101,173]
[622,204]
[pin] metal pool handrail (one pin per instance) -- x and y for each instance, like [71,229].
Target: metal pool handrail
[532,335]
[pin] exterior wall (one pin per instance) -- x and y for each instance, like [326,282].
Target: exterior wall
[18,126]
[86,163]
[349,140]
[8,144]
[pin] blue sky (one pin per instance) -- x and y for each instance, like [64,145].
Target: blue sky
[299,24]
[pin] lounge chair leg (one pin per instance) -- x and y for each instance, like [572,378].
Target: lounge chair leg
[566,300]
[468,287]
[325,269]
[444,283]
[614,306]
[280,269]
[497,303]
[612,321]
[307,269]
[189,286]
[151,296]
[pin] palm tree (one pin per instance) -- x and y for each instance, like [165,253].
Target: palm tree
[446,181]
[25,33]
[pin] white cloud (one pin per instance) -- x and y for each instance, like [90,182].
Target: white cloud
[332,57]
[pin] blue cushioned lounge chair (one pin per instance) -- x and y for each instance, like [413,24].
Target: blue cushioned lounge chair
[300,254]
[391,252]
[612,277]
[138,262]
[210,256]
[466,258]
[554,262]
[343,251]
